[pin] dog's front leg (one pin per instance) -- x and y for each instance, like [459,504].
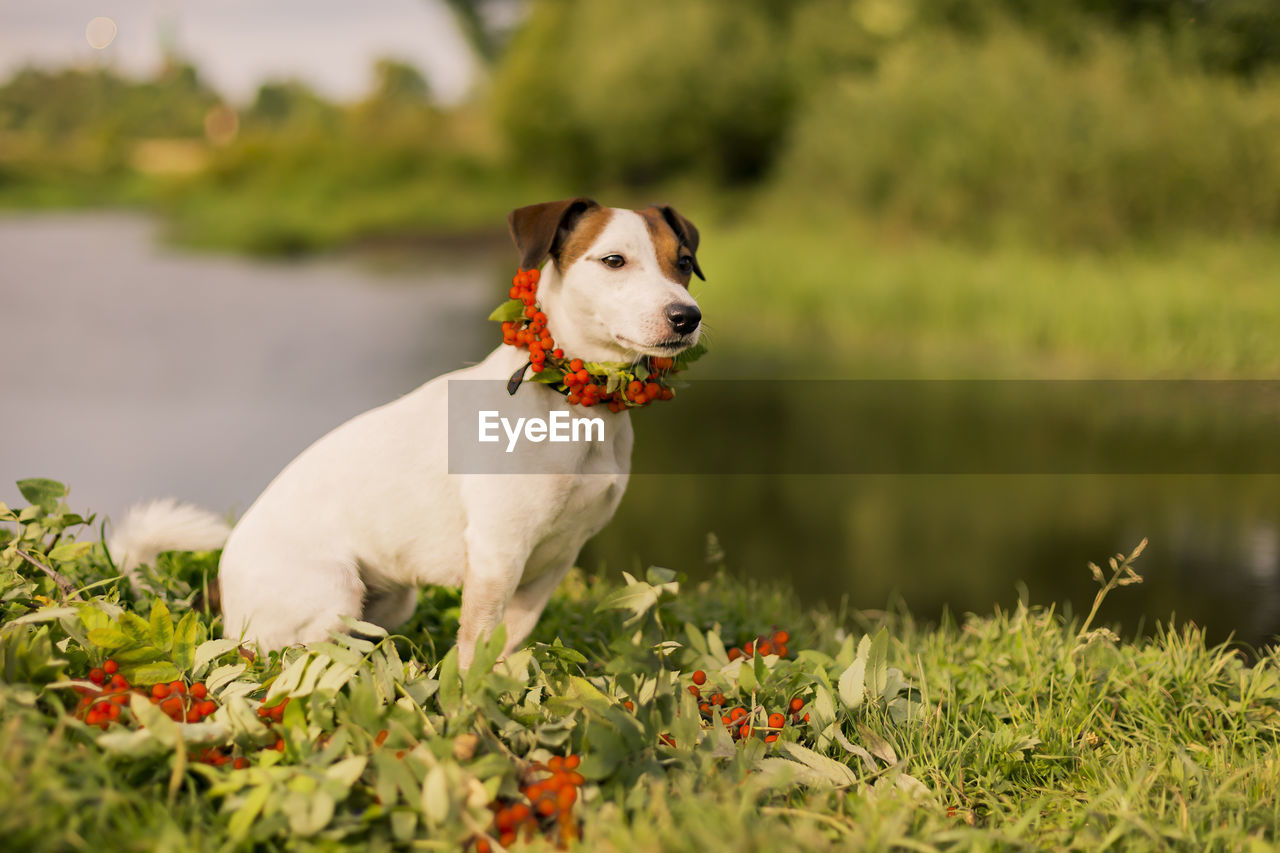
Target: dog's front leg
[527,605]
[494,568]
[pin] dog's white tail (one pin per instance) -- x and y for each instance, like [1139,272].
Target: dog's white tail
[164,525]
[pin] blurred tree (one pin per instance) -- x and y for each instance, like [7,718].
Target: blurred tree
[287,102]
[594,91]
[484,24]
[398,83]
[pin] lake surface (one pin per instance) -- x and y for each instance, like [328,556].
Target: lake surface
[134,371]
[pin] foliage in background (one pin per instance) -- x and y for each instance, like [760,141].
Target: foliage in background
[596,93]
[1000,137]
[1065,124]
[1018,729]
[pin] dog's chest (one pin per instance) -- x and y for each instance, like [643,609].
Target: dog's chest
[578,512]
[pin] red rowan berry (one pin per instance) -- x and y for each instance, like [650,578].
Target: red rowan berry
[96,675]
[198,690]
[160,691]
[699,677]
[110,667]
[776,721]
[797,703]
[565,796]
[781,637]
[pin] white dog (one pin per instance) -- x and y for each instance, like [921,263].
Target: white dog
[369,512]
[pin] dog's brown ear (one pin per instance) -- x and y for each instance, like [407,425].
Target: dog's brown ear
[539,228]
[687,233]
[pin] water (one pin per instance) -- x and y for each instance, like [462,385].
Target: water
[133,371]
[139,372]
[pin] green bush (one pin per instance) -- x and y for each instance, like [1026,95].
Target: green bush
[978,139]
[599,92]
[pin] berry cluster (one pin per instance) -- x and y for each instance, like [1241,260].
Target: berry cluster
[102,707]
[738,718]
[183,703]
[532,332]
[551,789]
[581,386]
[775,644]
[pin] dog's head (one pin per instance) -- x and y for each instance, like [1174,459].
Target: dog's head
[616,282]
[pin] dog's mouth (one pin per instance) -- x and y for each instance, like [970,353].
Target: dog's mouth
[668,347]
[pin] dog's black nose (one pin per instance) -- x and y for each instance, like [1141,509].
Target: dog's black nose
[684,318]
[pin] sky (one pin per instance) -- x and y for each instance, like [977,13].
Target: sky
[236,44]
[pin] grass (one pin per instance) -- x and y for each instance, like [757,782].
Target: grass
[842,299]
[1008,730]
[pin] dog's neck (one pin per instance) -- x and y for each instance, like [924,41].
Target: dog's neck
[571,323]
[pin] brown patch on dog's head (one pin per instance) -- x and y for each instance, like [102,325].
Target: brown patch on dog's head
[675,240]
[582,237]
[542,230]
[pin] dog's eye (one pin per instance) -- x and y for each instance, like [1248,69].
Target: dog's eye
[685,264]
[613,261]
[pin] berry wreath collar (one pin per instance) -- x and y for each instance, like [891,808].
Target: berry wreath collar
[617,384]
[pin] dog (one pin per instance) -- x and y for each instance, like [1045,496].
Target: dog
[367,514]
